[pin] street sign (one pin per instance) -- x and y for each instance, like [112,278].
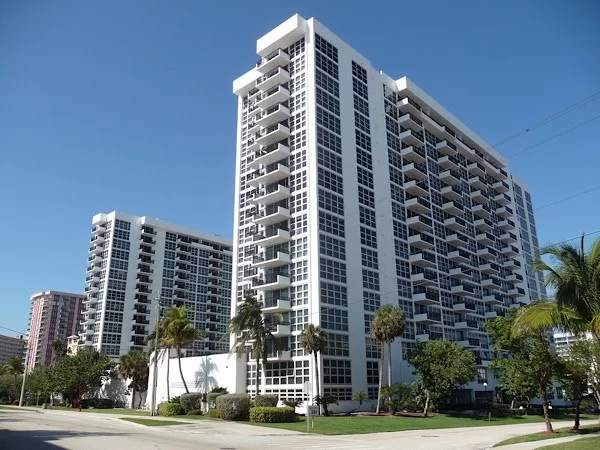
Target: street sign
[313,410]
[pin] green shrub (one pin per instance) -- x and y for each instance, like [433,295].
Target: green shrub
[194,412]
[212,398]
[15,402]
[272,414]
[175,399]
[293,402]
[97,403]
[170,409]
[234,406]
[213,413]
[266,400]
[191,401]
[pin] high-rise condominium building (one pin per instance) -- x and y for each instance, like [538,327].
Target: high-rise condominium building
[11,346]
[136,261]
[54,316]
[356,190]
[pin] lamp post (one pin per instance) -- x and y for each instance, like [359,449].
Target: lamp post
[153,410]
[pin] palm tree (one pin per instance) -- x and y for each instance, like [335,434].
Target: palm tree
[179,332]
[162,351]
[574,275]
[134,365]
[14,367]
[388,324]
[58,350]
[249,327]
[314,340]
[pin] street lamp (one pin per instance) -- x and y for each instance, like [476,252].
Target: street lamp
[159,307]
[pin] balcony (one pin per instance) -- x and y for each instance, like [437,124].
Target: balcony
[469,343]
[431,336]
[511,264]
[499,173]
[485,238]
[272,215]
[91,289]
[413,154]
[272,97]
[510,250]
[94,259]
[269,155]
[490,283]
[422,259]
[271,195]
[502,199]
[514,278]
[281,329]
[446,148]
[476,169]
[451,192]
[251,143]
[410,137]
[464,308]
[515,292]
[97,239]
[477,183]
[92,279]
[271,282]
[466,325]
[459,256]
[411,121]
[428,318]
[462,289]
[490,268]
[455,223]
[506,224]
[501,186]
[421,241]
[450,177]
[447,162]
[273,115]
[415,171]
[280,355]
[424,278]
[508,237]
[270,174]
[493,299]
[483,224]
[273,134]
[479,196]
[491,314]
[457,240]
[417,188]
[487,253]
[275,59]
[453,208]
[273,78]
[483,211]
[271,259]
[420,223]
[93,268]
[278,305]
[98,229]
[273,237]
[417,205]
[426,298]
[408,105]
[504,212]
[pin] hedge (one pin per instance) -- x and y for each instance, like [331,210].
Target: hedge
[266,400]
[272,414]
[98,403]
[211,398]
[194,412]
[191,401]
[213,413]
[170,409]
[234,406]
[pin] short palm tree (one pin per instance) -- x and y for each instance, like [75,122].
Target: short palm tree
[388,324]
[574,275]
[134,365]
[314,340]
[178,333]
[13,367]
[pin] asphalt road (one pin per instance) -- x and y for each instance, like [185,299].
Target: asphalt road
[46,430]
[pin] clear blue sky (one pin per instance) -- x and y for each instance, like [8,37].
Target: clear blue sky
[128,106]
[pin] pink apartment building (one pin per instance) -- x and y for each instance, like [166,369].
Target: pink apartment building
[54,315]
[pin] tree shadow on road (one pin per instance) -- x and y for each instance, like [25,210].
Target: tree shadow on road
[38,439]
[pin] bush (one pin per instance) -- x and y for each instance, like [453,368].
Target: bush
[272,414]
[497,410]
[175,399]
[15,402]
[212,398]
[266,400]
[234,406]
[170,409]
[194,412]
[97,403]
[191,401]
[293,402]
[213,413]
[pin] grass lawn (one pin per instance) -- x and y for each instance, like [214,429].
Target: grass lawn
[121,411]
[192,417]
[561,432]
[152,422]
[580,444]
[373,424]
[12,408]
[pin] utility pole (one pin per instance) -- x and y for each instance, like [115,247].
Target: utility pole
[153,410]
[24,375]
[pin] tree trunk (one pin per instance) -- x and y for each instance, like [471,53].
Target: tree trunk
[168,375]
[389,363]
[426,410]
[512,404]
[181,371]
[133,393]
[257,375]
[380,378]
[577,413]
[549,428]
[317,387]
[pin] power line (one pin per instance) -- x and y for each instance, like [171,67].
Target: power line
[549,119]
[568,198]
[14,331]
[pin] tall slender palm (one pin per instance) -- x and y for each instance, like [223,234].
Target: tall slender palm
[163,350]
[179,332]
[314,340]
[574,275]
[249,328]
[388,324]
[13,367]
[134,365]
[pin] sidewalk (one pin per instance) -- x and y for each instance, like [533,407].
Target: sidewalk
[539,444]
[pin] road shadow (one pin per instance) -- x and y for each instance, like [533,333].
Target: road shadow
[38,439]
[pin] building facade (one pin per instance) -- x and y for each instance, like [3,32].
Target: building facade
[11,346]
[356,190]
[135,263]
[54,316]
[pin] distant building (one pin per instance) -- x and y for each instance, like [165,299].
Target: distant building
[133,262]
[54,315]
[564,340]
[72,345]
[11,346]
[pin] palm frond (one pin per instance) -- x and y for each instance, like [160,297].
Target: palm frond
[547,315]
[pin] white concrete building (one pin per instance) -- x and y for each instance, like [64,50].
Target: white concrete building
[133,262]
[354,190]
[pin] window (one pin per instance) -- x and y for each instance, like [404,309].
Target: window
[331,202]
[333,294]
[366,197]
[328,120]
[369,258]
[326,65]
[337,345]
[370,279]
[122,224]
[336,371]
[329,160]
[326,48]
[365,177]
[332,247]
[362,140]
[329,140]
[332,270]
[361,105]
[368,237]
[364,159]
[331,181]
[334,319]
[331,224]
[360,88]
[371,301]
[372,370]
[327,83]
[359,72]
[328,102]
[367,216]
[362,122]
